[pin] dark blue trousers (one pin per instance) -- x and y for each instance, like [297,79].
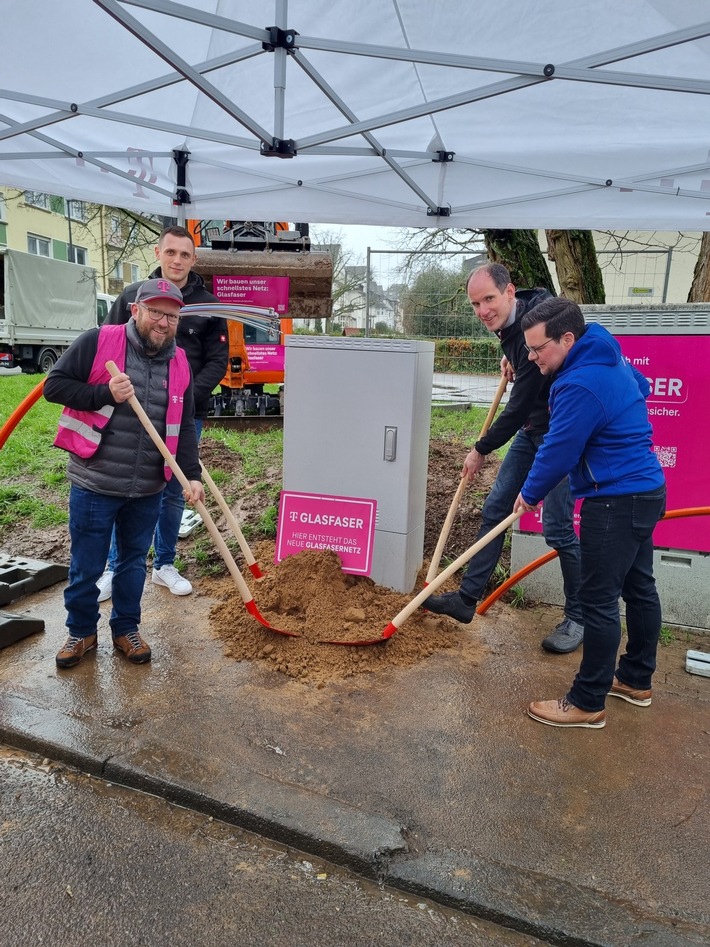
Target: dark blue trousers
[617,561]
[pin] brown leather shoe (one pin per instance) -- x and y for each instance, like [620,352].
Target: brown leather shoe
[630,694]
[133,647]
[560,713]
[74,649]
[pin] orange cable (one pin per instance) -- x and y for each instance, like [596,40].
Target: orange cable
[19,413]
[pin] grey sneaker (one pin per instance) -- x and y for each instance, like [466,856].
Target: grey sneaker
[104,585]
[566,637]
[451,604]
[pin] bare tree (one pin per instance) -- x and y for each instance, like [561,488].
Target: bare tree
[700,287]
[519,251]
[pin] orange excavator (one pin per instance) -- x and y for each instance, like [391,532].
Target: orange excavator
[247,262]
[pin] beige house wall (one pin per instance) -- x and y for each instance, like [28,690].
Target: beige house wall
[106,245]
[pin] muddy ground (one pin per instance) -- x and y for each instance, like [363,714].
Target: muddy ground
[310,595]
[445,461]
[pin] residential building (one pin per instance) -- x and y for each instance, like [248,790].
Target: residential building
[351,307]
[117,244]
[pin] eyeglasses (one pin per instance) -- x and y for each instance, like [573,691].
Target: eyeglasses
[535,350]
[155,315]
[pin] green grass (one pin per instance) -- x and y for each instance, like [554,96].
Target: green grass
[667,636]
[268,521]
[21,503]
[28,450]
[450,424]
[461,427]
[519,599]
[259,451]
[34,488]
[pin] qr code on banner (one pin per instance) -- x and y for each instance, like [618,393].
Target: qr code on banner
[667,456]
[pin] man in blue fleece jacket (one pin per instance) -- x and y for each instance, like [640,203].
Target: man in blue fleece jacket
[600,436]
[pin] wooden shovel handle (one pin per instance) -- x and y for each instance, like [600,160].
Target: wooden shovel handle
[246,595]
[449,571]
[446,528]
[229,516]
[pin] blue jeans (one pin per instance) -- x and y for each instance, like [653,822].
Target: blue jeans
[557,524]
[617,560]
[92,518]
[166,532]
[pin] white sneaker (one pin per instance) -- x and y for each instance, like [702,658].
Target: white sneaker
[170,578]
[104,585]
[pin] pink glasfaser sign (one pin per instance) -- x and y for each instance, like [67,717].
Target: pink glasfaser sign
[270,292]
[676,368]
[266,358]
[317,521]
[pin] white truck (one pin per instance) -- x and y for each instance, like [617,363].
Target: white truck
[44,305]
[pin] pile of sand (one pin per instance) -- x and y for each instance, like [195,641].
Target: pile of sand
[310,594]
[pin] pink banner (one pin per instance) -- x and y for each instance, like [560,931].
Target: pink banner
[677,370]
[266,357]
[316,521]
[270,292]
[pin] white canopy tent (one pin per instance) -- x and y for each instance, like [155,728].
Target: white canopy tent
[442,113]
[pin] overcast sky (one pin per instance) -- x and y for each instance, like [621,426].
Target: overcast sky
[357,238]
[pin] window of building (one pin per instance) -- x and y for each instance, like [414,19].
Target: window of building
[118,270]
[78,255]
[77,210]
[38,245]
[135,272]
[3,216]
[37,199]
[114,231]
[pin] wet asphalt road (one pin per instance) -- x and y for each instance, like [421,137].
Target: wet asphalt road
[85,862]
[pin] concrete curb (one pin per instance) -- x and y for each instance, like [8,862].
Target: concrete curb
[369,844]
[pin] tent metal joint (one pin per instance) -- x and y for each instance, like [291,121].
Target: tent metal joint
[279,39]
[279,148]
[182,195]
[444,156]
[438,211]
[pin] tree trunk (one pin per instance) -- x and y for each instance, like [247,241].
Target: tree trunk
[575,257]
[520,252]
[700,287]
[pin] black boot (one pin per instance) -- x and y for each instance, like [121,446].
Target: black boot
[451,604]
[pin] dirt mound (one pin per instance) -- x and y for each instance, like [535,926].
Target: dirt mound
[310,594]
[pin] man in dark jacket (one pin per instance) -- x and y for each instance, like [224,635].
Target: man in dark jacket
[600,435]
[525,419]
[206,345]
[117,474]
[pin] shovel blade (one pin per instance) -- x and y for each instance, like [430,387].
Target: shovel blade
[383,639]
[255,613]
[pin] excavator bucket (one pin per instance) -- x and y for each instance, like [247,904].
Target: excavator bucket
[310,275]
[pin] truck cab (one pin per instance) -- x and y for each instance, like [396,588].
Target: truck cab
[103,304]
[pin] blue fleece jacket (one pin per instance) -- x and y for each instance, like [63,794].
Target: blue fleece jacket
[599,429]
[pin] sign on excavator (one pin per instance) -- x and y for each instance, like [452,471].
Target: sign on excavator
[266,265]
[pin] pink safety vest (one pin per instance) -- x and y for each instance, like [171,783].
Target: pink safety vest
[80,432]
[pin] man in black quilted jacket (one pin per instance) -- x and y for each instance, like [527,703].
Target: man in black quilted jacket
[206,345]
[525,419]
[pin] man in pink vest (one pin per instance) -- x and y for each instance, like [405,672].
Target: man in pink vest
[117,474]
